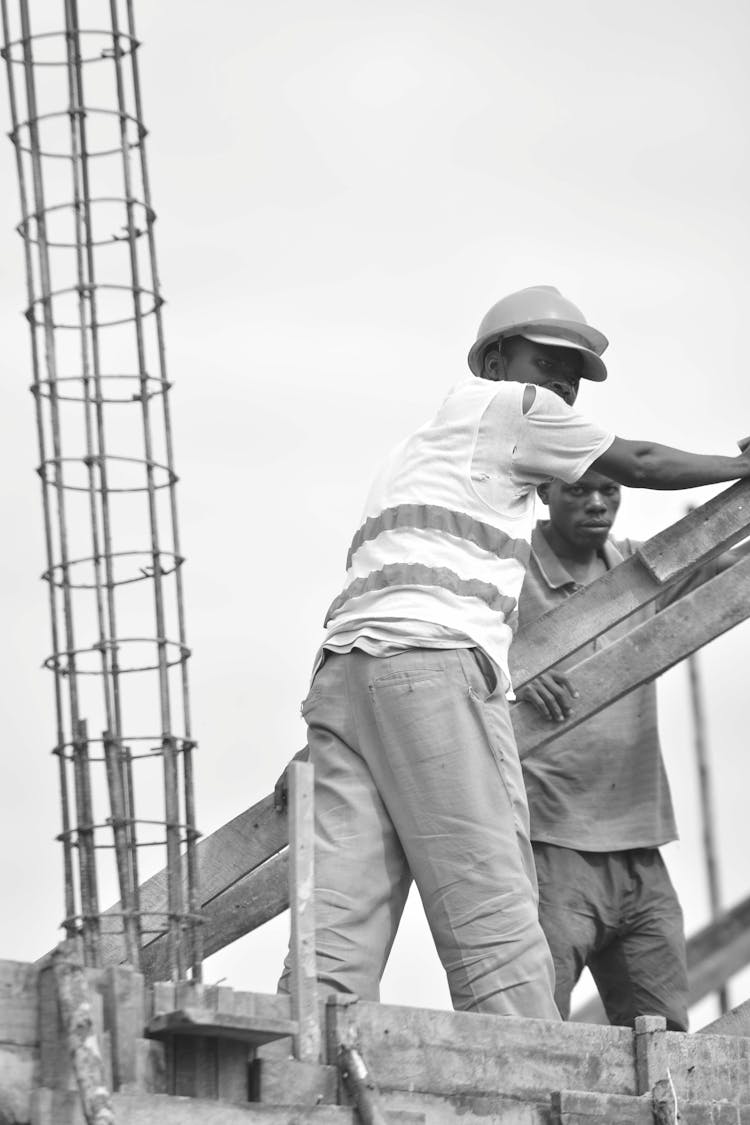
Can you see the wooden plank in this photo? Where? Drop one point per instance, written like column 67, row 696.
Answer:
column 124, row 1017
column 303, row 979
column 575, row 1107
column 18, row 1004
column 55, row 1068
column 162, row 997
column 228, row 856
column 709, row 1067
column 223, row 858
column 644, row 653
column 699, row 536
column 19, row 1072
column 199, row 1111
column 736, row 1022
column 650, row 1052
column 260, row 895
column 719, row 950
column 206, row 1067
column 459, row 1109
column 54, row 1108
column 608, row 674
column 581, row 1108
column 76, row 1003
column 151, row 1068
column 456, row 1053
column 233, row 1062
column 289, row 1082
column 220, row 1025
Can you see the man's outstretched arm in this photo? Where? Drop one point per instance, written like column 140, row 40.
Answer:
column 645, row 464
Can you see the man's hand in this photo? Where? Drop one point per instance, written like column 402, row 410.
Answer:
column 551, row 695
column 281, row 788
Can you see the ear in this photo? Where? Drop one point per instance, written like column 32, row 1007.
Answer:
column 542, row 491
column 492, row 367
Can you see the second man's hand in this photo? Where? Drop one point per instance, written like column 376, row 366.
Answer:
column 551, row 694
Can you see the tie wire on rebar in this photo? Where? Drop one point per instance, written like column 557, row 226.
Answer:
column 105, row 567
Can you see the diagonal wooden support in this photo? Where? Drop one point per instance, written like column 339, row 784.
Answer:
column 736, row 1022
column 243, row 865
column 260, row 892
column 250, row 842
column 698, row 537
column 644, row 653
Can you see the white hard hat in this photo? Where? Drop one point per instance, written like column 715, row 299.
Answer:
column 541, row 314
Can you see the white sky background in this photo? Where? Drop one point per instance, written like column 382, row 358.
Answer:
column 342, row 190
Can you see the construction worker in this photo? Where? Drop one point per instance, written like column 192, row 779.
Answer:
column 598, row 794
column 416, row 768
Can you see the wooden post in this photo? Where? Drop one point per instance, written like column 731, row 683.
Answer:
column 76, row 1016
column 652, row 1070
column 125, row 1018
column 303, row 981
column 705, row 796
column 650, row 1052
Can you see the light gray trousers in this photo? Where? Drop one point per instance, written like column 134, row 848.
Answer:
column 417, row 776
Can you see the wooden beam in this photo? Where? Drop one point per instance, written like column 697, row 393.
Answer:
column 607, row 675
column 719, row 950
column 578, row 1107
column 736, row 1022
column 224, row 858
column 644, row 653
column 455, row 1054
column 240, row 864
column 698, row 537
column 259, row 896
column 207, row 1023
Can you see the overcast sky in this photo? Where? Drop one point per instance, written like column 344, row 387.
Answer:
column 343, row 189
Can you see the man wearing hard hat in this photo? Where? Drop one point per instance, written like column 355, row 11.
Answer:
column 416, row 768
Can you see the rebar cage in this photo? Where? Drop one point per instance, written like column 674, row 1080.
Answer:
column 114, row 566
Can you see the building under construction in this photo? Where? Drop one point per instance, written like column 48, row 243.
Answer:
column 116, row 1024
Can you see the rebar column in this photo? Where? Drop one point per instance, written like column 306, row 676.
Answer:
column 114, row 567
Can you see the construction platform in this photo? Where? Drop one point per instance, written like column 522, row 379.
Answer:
column 183, row 1054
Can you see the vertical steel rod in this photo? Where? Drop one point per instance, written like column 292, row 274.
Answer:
column 94, row 309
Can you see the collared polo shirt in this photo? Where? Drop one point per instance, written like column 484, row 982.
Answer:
column 601, row 786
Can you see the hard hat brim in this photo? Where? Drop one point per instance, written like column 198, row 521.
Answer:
column 593, row 367
column 557, row 333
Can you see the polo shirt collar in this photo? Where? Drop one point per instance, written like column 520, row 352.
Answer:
column 552, row 570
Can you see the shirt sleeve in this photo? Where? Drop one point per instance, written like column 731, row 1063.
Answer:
column 556, row 442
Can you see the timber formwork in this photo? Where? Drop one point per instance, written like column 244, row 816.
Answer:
column 244, row 865
column 185, row 1052
column 194, row 1054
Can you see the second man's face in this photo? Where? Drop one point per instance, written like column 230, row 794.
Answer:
column 583, row 513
